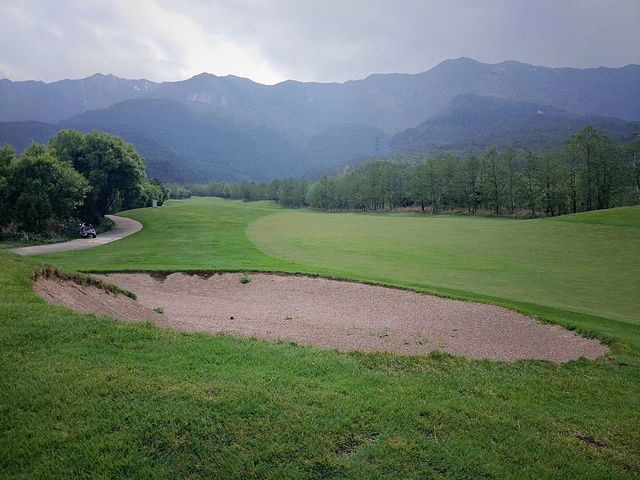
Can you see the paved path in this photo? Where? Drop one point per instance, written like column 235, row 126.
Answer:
column 123, row 227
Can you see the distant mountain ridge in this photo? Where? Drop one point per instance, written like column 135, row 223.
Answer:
column 230, row 128
column 612, row 92
column 474, row 121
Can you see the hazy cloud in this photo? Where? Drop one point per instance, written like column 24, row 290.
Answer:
column 329, row 40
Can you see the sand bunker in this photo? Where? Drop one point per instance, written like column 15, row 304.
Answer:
column 327, row 313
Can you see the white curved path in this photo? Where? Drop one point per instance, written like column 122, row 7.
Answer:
column 123, row 227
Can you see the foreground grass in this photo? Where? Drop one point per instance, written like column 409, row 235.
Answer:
column 82, row 396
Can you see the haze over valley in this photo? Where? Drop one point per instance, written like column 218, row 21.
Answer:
column 212, row 128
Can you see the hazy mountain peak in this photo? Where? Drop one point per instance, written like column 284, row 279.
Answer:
column 232, row 128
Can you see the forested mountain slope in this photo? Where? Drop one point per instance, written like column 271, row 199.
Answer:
column 482, row 121
column 230, row 128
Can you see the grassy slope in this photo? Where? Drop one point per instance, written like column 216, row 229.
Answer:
column 81, row 395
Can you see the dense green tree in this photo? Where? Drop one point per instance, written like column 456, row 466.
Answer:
column 551, row 183
column 510, row 163
column 178, row 191
column 113, row 168
column 472, row 168
column 164, row 191
column 272, row 190
column 495, row 179
column 633, row 151
column 582, row 151
column 7, row 156
column 552, row 176
column 40, row 190
column 530, row 187
column 418, row 188
column 453, row 181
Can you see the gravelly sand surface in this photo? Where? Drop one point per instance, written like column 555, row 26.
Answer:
column 328, row 313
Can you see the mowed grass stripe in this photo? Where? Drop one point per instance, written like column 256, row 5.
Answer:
column 583, row 264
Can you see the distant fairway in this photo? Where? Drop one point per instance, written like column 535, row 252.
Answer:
column 586, row 263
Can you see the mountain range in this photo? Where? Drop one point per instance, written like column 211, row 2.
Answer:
column 230, row 128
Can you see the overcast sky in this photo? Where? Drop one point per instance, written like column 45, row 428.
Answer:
column 270, row 41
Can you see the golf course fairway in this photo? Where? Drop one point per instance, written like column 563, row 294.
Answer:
column 84, row 396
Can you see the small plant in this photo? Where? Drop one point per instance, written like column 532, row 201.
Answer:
column 244, row 278
column 289, row 317
column 421, row 339
column 159, row 309
column 384, row 333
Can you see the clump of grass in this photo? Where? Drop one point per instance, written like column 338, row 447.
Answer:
column 81, row 279
column 421, row 338
column 244, row 278
column 383, row 334
column 159, row 309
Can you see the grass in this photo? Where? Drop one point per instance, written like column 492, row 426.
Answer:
column 82, row 396
column 580, row 263
column 199, row 234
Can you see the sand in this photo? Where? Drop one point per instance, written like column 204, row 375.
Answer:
column 327, row 313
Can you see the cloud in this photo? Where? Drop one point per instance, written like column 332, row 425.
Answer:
column 315, row 40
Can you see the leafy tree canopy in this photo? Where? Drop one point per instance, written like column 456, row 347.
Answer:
column 113, row 168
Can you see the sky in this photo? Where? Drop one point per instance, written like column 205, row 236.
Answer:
column 270, row 41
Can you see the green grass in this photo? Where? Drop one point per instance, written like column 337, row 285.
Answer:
column 621, row 217
column 82, row 396
column 584, row 266
column 199, row 234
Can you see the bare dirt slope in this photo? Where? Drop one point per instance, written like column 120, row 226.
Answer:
column 328, row 313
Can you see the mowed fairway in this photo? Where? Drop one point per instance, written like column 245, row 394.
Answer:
column 587, row 263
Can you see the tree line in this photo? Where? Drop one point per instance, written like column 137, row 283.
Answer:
column 590, row 172
column 75, row 177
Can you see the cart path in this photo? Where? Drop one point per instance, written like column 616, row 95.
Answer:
column 123, row 227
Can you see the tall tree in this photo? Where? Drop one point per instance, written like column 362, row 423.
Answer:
column 474, row 187
column 510, row 162
column 634, row 153
column 582, row 150
column 113, row 167
column 531, row 188
column 495, row 178
column 40, row 189
column 551, row 179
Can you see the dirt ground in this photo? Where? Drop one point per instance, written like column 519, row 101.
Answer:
column 327, row 313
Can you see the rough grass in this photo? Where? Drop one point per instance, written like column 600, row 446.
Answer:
column 53, row 273
column 82, row 396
